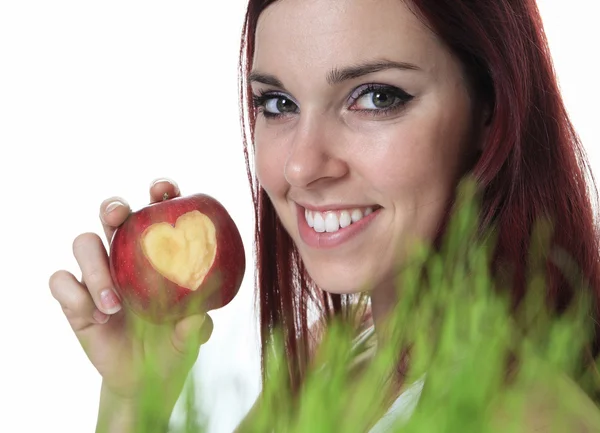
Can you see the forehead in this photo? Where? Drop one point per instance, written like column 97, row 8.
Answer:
column 325, row 33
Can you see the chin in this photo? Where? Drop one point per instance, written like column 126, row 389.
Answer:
column 348, row 285
column 348, row 280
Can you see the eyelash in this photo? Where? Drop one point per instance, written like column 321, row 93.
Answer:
column 260, row 100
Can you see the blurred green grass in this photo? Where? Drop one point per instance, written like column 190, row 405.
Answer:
column 480, row 364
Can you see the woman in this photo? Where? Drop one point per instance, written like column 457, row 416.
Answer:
column 363, row 118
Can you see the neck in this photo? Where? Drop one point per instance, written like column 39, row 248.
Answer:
column 383, row 300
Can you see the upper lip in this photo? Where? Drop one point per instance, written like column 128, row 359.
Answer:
column 335, row 207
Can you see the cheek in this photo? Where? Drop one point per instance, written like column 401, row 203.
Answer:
column 423, row 156
column 269, row 164
column 440, row 141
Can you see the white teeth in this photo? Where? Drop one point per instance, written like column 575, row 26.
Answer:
column 356, row 215
column 319, row 222
column 345, row 220
column 332, row 224
column 309, row 218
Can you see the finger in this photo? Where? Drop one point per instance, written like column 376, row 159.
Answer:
column 191, row 332
column 113, row 212
column 163, row 189
column 75, row 300
column 93, row 261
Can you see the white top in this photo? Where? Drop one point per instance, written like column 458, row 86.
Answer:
column 403, row 407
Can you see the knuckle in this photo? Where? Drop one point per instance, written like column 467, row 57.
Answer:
column 56, row 281
column 97, row 277
column 56, row 277
column 85, row 240
column 63, row 288
column 77, row 305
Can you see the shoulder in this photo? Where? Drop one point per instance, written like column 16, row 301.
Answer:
column 558, row 407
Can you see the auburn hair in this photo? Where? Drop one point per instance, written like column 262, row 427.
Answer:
column 531, row 166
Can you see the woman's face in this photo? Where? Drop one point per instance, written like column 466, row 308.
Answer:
column 363, row 127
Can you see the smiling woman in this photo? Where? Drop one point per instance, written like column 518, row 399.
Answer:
column 381, row 127
column 361, row 119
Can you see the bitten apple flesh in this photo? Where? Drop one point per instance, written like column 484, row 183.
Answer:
column 177, row 257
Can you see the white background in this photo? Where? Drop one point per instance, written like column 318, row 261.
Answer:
column 100, row 98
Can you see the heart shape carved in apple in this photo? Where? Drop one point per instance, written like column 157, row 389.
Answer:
column 183, row 253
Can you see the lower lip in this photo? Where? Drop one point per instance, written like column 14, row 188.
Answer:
column 331, row 240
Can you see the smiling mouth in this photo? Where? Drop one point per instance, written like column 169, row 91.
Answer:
column 333, row 221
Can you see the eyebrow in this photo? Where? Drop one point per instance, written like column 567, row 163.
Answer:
column 337, row 76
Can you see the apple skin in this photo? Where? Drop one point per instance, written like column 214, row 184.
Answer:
column 152, row 296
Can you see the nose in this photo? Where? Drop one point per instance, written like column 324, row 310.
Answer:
column 315, row 155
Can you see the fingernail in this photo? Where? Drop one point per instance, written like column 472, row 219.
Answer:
column 165, row 179
column 110, row 301
column 100, row 317
column 112, row 206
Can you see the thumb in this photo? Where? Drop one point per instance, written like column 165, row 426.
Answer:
column 190, row 333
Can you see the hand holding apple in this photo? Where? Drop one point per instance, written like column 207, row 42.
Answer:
column 177, row 257
column 106, row 333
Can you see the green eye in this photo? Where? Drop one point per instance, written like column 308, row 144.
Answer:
column 382, row 99
column 275, row 105
column 379, row 99
column 282, row 105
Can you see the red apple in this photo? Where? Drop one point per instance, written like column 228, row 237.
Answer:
column 177, row 257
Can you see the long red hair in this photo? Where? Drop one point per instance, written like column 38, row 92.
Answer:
column 531, row 166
